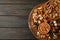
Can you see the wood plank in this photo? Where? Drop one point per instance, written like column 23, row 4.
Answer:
column 18, row 39
column 16, row 12
column 15, row 9
column 21, row 1
column 17, row 1
column 15, row 33
column 11, row 7
column 13, row 21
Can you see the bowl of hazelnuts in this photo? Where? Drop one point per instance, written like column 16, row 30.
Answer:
column 44, row 20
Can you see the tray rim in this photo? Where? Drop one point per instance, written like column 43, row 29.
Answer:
column 30, row 17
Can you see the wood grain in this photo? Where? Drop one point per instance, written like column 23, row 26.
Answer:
column 32, row 2
column 15, row 9
column 13, row 21
column 14, row 12
column 15, row 33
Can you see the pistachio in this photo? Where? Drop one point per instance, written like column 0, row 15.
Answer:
column 36, row 23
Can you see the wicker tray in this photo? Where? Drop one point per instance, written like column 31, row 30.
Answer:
column 34, row 30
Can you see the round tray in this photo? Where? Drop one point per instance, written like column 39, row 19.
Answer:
column 34, row 29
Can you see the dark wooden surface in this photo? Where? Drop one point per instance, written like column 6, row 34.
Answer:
column 14, row 18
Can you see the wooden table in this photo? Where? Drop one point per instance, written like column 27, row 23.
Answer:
column 14, row 18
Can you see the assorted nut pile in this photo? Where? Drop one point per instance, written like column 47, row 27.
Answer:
column 46, row 19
